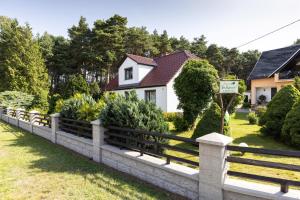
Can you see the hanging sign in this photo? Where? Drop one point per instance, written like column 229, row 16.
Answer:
column 229, row 86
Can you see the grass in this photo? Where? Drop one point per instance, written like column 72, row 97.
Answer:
column 33, row 168
column 242, row 131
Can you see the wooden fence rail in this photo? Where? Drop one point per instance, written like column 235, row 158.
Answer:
column 152, row 143
column 284, row 183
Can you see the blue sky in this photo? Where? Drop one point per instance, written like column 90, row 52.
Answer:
column 225, row 22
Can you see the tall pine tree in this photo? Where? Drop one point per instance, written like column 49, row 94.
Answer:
column 22, row 66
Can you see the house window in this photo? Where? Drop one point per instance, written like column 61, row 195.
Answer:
column 128, row 73
column 150, row 96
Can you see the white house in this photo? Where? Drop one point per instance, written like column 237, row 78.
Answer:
column 152, row 79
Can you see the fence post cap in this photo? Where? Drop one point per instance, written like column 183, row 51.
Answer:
column 215, row 139
column 33, row 112
column 55, row 115
column 96, row 122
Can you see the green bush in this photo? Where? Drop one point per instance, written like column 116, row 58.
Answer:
column 16, row 99
column 297, row 82
column 195, row 86
column 277, row 110
column 52, row 102
column 73, row 85
column 95, row 90
column 180, row 123
column 170, row 116
column 210, row 122
column 260, row 111
column 291, row 128
column 80, row 107
column 246, row 105
column 133, row 113
column 252, row 117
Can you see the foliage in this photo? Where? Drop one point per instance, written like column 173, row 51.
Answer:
column 138, row 42
column 246, row 105
column 297, row 82
column 260, row 112
column 210, row 122
column 16, row 99
column 52, row 102
column 203, row 77
column 80, row 107
column 198, row 46
column 252, row 118
column 170, row 116
column 291, row 128
column 22, row 66
column 95, row 90
column 180, row 123
column 277, row 110
column 133, row 113
column 75, row 84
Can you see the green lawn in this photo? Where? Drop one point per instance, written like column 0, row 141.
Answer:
column 33, row 168
column 242, row 131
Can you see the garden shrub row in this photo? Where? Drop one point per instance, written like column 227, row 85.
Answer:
column 114, row 110
column 280, row 118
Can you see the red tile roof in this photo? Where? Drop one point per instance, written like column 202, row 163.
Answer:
column 165, row 69
column 142, row 60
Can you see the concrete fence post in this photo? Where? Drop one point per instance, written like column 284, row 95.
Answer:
column 213, row 167
column 1, row 112
column 98, row 139
column 8, row 113
column 18, row 114
column 32, row 115
column 54, row 126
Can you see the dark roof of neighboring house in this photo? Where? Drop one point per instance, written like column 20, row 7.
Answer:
column 166, row 67
column 272, row 61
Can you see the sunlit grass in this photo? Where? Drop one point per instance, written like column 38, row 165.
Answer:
column 33, row 168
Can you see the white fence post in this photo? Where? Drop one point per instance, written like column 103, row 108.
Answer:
column 98, row 139
column 32, row 118
column 54, row 126
column 212, row 165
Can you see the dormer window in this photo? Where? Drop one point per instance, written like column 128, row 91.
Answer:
column 128, row 73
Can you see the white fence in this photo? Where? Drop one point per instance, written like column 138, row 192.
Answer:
column 209, row 182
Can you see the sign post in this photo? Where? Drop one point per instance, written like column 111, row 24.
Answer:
column 227, row 87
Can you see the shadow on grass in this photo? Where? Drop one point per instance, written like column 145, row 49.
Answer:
column 58, row 159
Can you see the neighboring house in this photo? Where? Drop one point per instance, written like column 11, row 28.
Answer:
column 274, row 69
column 152, row 79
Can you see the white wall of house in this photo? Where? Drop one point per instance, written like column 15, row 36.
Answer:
column 161, row 95
column 172, row 99
column 138, row 73
column 263, row 91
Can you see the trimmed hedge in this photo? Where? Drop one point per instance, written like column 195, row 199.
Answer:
column 210, row 122
column 133, row 113
column 80, row 107
column 252, row 118
column 291, row 128
column 277, row 110
column 16, row 99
